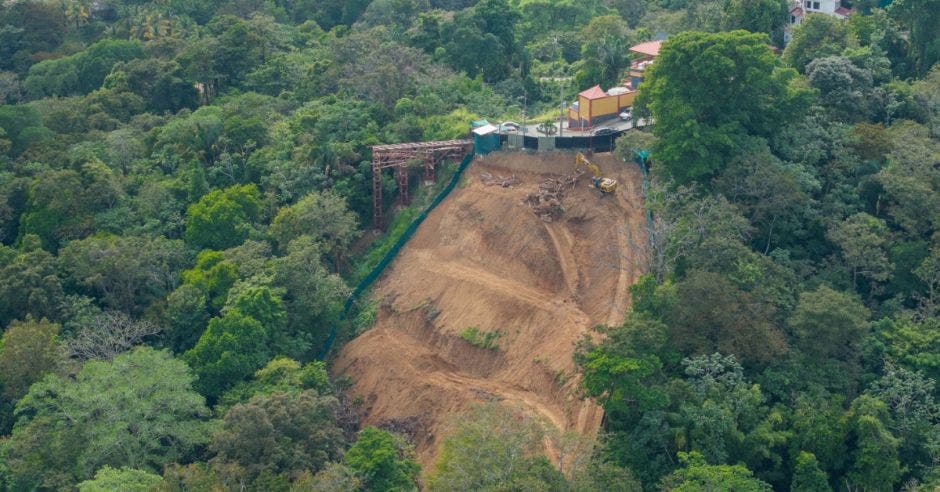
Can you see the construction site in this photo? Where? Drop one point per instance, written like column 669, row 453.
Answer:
column 488, row 298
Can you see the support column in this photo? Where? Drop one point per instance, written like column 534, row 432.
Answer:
column 429, row 161
column 401, row 174
column 376, row 193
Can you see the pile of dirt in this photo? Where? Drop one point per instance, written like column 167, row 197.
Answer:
column 487, row 300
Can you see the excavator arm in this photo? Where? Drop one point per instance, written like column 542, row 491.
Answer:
column 607, row 185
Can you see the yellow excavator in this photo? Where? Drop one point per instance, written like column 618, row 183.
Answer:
column 606, row 185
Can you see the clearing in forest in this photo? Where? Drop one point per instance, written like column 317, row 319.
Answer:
column 488, row 299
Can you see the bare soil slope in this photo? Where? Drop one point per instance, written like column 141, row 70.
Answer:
column 484, row 259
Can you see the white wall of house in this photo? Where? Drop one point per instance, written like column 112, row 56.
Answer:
column 822, row 6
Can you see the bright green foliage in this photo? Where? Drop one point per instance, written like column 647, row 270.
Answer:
column 232, row 348
column 213, row 275
column 874, row 457
column 807, row 477
column 281, row 434
column 622, row 372
column 819, row 429
column 138, row 410
column 708, row 93
column 281, row 375
column 697, row 475
column 125, row 479
column 916, row 344
column 239, row 342
column 260, row 303
column 222, row 218
column 478, row 338
column 384, row 461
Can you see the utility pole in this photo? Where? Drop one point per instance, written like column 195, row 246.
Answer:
column 561, row 98
column 561, row 93
column 525, row 111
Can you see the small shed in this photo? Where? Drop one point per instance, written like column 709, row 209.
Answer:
column 485, row 137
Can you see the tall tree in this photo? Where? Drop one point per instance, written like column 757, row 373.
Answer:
column 818, row 36
column 223, row 218
column 807, row 477
column 709, row 93
column 922, row 20
column 697, row 474
column 138, row 410
column 384, row 461
column 277, row 434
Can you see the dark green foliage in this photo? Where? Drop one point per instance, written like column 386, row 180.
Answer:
column 29, row 282
column 82, row 72
column 709, row 93
column 19, row 124
column 277, row 435
column 196, row 176
column 232, row 348
column 817, row 37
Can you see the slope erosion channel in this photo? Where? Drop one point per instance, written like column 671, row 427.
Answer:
column 484, row 262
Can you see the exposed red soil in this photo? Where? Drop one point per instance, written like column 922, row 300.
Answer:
column 484, row 259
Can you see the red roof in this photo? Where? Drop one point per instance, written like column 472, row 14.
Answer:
column 796, row 11
column 650, row 48
column 593, row 93
column 844, row 11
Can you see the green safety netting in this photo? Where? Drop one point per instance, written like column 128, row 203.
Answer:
column 393, row 252
column 641, row 158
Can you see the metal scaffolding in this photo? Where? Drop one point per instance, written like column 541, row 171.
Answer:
column 398, row 156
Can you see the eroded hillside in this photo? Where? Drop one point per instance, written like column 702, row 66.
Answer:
column 484, row 260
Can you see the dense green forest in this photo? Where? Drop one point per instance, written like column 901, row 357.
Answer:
column 185, row 203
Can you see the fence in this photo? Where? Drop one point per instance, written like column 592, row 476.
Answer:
column 603, row 143
column 393, row 252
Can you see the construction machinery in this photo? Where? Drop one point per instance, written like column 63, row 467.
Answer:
column 606, row 185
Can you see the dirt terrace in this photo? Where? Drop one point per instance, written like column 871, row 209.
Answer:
column 484, row 259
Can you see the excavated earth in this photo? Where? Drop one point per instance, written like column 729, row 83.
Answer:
column 484, row 259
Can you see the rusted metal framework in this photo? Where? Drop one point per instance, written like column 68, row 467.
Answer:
column 398, row 156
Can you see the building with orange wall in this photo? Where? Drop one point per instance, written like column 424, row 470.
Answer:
column 594, row 105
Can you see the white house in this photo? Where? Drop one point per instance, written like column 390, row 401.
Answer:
column 803, row 7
